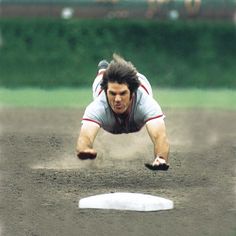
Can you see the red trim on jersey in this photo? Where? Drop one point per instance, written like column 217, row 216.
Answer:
column 100, row 91
column 141, row 85
column 152, row 118
column 86, row 119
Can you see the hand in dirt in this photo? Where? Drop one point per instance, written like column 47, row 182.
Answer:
column 87, row 154
column 158, row 164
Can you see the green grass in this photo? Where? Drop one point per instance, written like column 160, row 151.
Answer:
column 197, row 98
column 79, row 98
column 45, row 98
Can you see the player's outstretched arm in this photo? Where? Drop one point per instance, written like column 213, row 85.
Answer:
column 157, row 132
column 86, row 139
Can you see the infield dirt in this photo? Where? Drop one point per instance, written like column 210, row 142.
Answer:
column 41, row 180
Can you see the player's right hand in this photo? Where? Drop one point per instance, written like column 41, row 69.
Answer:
column 87, row 154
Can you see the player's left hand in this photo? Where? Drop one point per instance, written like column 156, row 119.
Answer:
column 158, row 164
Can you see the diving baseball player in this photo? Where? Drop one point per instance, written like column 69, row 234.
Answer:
column 123, row 103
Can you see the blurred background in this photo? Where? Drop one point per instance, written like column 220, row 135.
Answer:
column 175, row 43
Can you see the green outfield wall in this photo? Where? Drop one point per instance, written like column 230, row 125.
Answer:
column 56, row 53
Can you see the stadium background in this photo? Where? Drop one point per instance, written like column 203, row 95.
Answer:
column 188, row 43
column 189, row 56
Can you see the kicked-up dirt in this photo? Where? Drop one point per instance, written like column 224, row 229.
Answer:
column 41, row 180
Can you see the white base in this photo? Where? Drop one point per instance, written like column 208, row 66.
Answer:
column 126, row 201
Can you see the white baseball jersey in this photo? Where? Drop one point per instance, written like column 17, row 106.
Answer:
column 144, row 108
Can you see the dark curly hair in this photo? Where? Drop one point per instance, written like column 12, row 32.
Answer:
column 122, row 72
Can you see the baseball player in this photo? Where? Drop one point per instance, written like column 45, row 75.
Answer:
column 123, row 103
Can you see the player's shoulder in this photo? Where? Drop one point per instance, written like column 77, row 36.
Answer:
column 99, row 104
column 144, row 100
column 142, row 97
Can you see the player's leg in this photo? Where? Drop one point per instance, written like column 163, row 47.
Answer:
column 102, row 65
column 145, row 84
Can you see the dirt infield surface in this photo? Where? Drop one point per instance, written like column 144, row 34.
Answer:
column 41, row 180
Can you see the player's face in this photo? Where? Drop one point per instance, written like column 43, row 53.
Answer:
column 119, row 97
